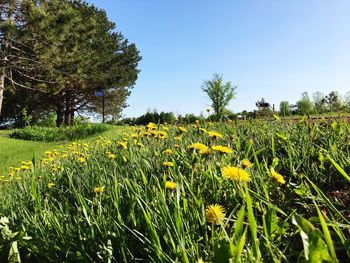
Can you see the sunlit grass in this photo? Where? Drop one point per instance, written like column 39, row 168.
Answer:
column 13, row 151
column 277, row 193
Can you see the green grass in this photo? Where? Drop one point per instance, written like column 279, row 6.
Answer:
column 108, row 201
column 14, row 151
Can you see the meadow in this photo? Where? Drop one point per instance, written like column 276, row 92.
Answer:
column 209, row 192
column 32, row 142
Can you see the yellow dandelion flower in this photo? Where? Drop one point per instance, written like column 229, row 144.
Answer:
column 170, row 185
column 169, row 164
column 146, row 134
column 99, row 189
column 167, row 151
column 278, row 177
column 151, row 126
column 134, row 135
column 51, row 185
column 17, row 169
column 178, row 138
column 162, row 135
column 82, row 160
column 235, row 173
column 25, row 167
column 182, row 129
column 111, row 156
column 221, row 149
column 215, row 135
column 203, row 130
column 153, row 133
column 204, row 151
column 198, row 146
column 124, row 145
column 140, row 145
column 27, row 163
column 215, row 214
column 246, row 163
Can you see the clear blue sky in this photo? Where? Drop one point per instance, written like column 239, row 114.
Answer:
column 271, row 49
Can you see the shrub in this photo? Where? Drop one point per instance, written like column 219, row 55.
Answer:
column 49, row 134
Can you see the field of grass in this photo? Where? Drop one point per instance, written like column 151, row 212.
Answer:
column 251, row 192
column 13, row 151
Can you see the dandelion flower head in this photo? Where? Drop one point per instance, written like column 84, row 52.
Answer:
column 169, row 164
column 278, row 177
column 215, row 135
column 235, row 173
column 170, row 185
column 215, row 214
column 221, row 149
column 246, row 163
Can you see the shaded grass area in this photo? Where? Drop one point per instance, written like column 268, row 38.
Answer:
column 13, row 151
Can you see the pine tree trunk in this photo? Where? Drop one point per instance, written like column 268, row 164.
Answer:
column 68, row 109
column 72, row 117
column 60, row 109
column 2, row 87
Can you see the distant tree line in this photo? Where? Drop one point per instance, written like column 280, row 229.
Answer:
column 54, row 56
column 161, row 118
column 319, row 104
column 170, row 118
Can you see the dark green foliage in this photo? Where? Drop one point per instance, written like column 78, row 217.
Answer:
column 65, row 50
column 37, row 133
column 155, row 117
column 334, row 101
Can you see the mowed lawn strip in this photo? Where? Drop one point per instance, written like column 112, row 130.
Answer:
column 13, row 151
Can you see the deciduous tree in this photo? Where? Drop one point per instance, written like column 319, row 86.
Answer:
column 285, row 108
column 220, row 93
column 304, row 105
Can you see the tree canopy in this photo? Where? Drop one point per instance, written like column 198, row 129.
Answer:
column 67, row 49
column 220, row 93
